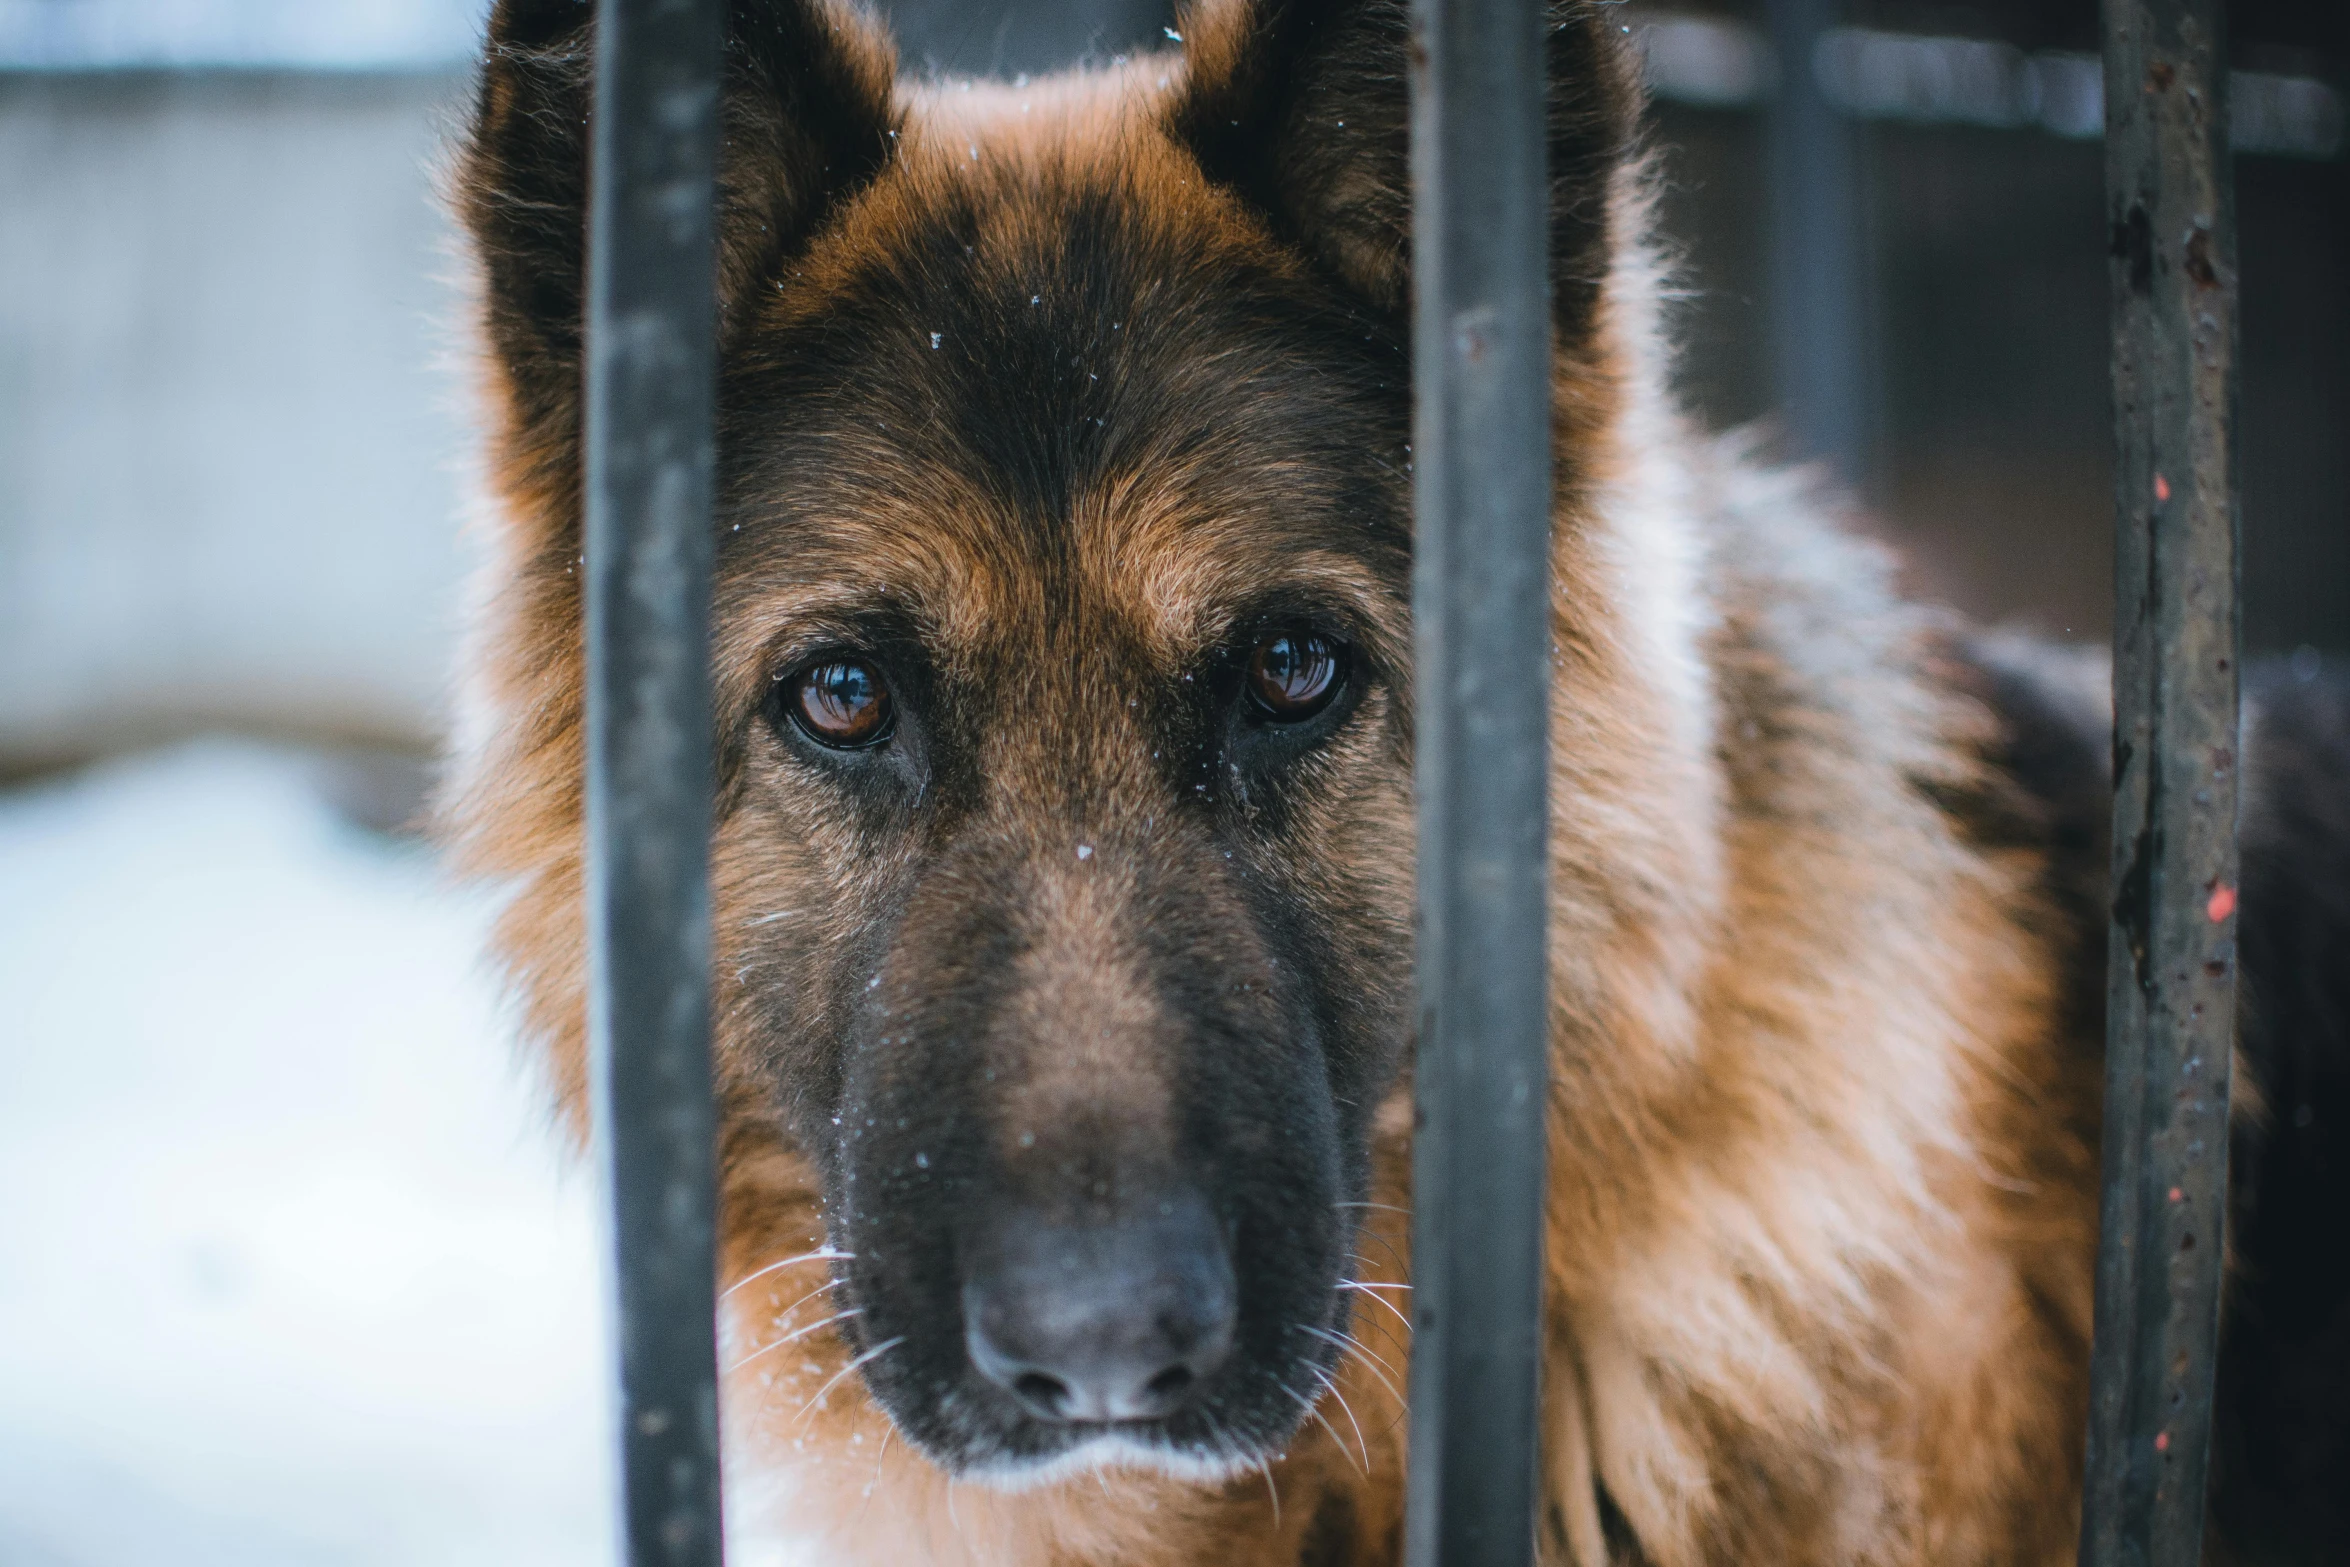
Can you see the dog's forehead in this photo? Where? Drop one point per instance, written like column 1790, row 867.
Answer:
column 1073, row 388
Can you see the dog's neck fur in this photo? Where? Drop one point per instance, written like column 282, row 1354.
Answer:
column 1802, row 970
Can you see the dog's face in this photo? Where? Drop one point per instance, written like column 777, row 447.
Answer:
column 1061, row 654
column 1062, row 635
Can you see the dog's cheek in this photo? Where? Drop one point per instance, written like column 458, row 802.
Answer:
column 803, row 903
column 1345, row 888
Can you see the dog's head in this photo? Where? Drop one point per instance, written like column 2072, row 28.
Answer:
column 1062, row 668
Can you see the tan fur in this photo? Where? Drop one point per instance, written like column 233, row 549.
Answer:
column 1820, row 1218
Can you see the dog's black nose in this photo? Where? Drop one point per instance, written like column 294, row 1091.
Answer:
column 1122, row 1320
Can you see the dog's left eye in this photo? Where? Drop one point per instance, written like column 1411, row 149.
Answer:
column 1292, row 675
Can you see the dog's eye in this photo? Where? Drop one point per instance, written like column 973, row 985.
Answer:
column 1294, row 674
column 839, row 702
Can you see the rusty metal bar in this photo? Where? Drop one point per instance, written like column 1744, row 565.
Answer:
column 1481, row 601
column 651, row 395
column 2171, row 972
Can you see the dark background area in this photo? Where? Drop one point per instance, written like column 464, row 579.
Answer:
column 1989, row 462
column 1009, row 37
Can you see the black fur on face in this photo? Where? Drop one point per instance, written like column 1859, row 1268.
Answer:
column 1078, row 983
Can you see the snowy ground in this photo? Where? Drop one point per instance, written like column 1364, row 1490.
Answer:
column 291, row 1270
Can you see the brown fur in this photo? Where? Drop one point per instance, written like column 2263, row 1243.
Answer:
column 1824, row 1103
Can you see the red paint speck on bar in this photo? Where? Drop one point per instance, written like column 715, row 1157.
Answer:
column 2222, row 904
column 2176, row 1195
column 2161, row 488
column 2162, row 1441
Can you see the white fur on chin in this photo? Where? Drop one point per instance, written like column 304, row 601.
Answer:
column 1114, row 1450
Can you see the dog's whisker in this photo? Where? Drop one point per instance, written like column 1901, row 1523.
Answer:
column 820, row 1254
column 1323, row 1421
column 828, row 1284
column 1271, row 1489
column 1383, row 1207
column 1384, row 1381
column 794, row 1336
column 1393, row 1326
column 1369, row 1293
column 1377, row 1372
column 1376, row 1289
column 809, row 1406
column 1227, row 1446
column 769, row 919
column 889, row 1428
column 1331, row 1387
column 1390, row 1336
column 783, row 1316
column 1347, row 1341
column 1368, row 1353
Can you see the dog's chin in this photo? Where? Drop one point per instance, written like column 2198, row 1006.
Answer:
column 1135, row 1450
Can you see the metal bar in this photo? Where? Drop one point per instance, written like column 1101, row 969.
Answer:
column 1818, row 273
column 1481, row 602
column 651, row 394
column 2171, row 974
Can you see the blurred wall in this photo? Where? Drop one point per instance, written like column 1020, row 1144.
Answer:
column 228, row 448
column 233, row 429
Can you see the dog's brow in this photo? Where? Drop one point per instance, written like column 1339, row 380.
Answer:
column 1187, row 600
column 782, row 615
column 1178, row 582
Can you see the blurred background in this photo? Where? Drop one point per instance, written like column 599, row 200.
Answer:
column 291, row 1266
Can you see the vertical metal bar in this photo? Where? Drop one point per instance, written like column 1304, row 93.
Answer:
column 1481, row 600
column 651, row 391
column 2171, row 977
column 1818, row 255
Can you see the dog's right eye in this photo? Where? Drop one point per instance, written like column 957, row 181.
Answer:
column 839, row 702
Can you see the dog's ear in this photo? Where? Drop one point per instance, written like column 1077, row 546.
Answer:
column 1303, row 107
column 807, row 119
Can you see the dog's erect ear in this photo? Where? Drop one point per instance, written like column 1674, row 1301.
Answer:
column 1304, row 108
column 807, row 120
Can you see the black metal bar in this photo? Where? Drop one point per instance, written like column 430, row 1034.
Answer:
column 651, row 391
column 1481, row 601
column 1818, row 272
column 2171, row 974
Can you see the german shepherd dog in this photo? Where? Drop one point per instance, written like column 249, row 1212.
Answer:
column 1064, row 852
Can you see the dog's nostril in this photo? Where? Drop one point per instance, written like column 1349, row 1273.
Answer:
column 1045, row 1395
column 1099, row 1324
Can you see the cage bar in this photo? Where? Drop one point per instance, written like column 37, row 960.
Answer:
column 2171, row 971
column 1818, row 285
column 651, row 392
column 1481, row 604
